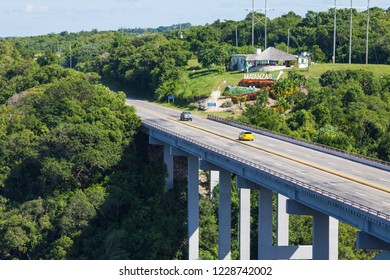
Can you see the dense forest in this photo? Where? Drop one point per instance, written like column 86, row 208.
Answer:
column 74, row 179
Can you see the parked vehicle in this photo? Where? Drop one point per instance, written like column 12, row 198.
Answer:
column 246, row 136
column 186, row 116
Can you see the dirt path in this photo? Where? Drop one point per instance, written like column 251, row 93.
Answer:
column 214, row 98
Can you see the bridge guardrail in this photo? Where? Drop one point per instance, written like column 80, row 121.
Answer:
column 381, row 164
column 283, row 177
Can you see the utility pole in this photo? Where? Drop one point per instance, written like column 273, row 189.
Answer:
column 350, row 36
column 265, row 25
column 70, row 56
column 180, row 33
column 253, row 23
column 59, row 53
column 288, row 41
column 368, row 25
column 236, row 36
column 334, row 32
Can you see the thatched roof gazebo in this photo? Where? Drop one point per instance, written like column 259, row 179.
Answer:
column 272, row 55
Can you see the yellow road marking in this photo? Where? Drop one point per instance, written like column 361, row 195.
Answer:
column 290, row 158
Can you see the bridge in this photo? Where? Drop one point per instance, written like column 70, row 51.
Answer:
column 329, row 185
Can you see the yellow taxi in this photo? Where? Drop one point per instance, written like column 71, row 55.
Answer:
column 246, row 136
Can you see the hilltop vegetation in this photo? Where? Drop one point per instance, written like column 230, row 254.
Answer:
column 74, row 179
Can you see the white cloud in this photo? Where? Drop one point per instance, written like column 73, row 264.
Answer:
column 29, row 8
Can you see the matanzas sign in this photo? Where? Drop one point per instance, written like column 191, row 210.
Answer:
column 259, row 76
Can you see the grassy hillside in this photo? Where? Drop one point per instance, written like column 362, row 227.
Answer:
column 204, row 81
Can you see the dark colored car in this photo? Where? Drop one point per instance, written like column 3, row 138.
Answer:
column 186, row 116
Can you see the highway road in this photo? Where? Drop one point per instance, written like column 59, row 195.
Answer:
column 366, row 185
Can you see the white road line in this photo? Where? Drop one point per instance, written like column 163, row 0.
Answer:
column 357, row 171
column 386, row 203
column 308, row 156
column 331, row 163
column 360, row 194
column 330, row 183
column 385, row 180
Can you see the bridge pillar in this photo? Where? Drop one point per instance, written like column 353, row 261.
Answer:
column 265, row 249
column 325, row 231
column 224, row 213
column 193, row 208
column 214, row 174
column 325, row 237
column 244, row 186
column 244, row 227
column 214, row 181
column 168, row 160
column 224, row 207
column 282, row 222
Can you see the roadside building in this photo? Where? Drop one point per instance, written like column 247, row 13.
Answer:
column 304, row 60
column 269, row 60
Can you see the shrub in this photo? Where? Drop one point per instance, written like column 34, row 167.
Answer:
column 193, row 106
column 227, row 104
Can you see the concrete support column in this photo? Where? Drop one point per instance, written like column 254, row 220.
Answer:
column 325, row 237
column 193, row 208
column 282, row 222
column 168, row 160
column 214, row 181
column 245, row 228
column 224, row 213
column 265, row 250
column 325, row 231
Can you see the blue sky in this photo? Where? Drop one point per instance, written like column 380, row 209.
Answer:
column 38, row 17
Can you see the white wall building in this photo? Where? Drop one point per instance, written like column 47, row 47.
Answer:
column 268, row 60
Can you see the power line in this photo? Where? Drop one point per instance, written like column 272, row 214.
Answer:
column 265, row 22
column 350, row 30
